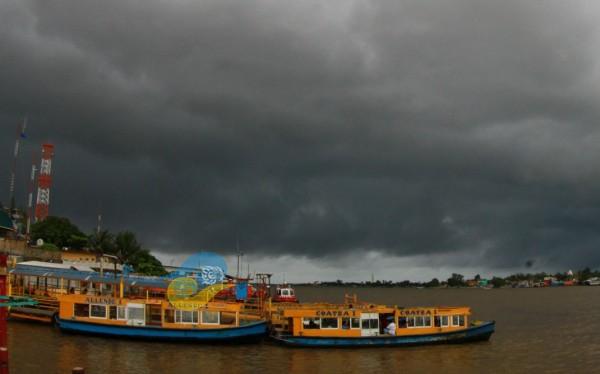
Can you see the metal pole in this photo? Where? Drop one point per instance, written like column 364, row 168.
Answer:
column 237, row 248
column 20, row 133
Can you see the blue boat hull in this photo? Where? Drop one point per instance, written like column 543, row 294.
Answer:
column 250, row 332
column 473, row 333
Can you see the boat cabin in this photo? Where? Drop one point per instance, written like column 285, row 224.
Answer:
column 158, row 312
column 328, row 320
column 285, row 294
column 79, row 292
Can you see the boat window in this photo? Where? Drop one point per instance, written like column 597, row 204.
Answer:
column 291, row 292
column 436, row 321
column 285, row 293
column 370, row 324
column 116, row 312
column 416, row 321
column 445, row 321
column 134, row 313
column 329, row 323
column 97, row 311
column 81, row 310
column 227, row 318
column 121, row 312
column 419, row 321
column 279, row 292
column 210, row 318
column 402, row 323
column 52, row 282
column 186, row 316
column 458, row 320
column 350, row 323
column 311, row 323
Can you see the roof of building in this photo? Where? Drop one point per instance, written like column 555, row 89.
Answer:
column 53, row 265
column 6, row 222
column 77, row 251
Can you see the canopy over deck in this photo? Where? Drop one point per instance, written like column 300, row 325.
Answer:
column 85, row 273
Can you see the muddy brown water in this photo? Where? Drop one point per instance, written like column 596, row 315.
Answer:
column 550, row 330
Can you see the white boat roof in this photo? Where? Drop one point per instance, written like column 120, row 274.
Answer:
column 54, row 265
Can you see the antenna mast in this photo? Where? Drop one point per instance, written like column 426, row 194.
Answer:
column 30, row 198
column 44, row 182
column 20, row 134
column 99, row 226
column 239, row 256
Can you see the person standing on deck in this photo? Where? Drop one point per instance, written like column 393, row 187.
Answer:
column 390, row 329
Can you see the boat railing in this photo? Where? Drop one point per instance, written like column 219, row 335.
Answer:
column 325, row 305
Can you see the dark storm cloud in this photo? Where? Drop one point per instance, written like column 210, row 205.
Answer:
column 462, row 127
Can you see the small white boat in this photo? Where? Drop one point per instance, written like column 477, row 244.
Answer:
column 595, row 281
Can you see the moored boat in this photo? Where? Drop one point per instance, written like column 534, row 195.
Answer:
column 285, row 294
column 370, row 325
column 157, row 319
column 594, row 281
column 154, row 308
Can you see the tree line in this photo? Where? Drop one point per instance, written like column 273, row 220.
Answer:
column 459, row 280
column 60, row 232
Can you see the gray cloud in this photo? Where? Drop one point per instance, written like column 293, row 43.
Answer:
column 311, row 129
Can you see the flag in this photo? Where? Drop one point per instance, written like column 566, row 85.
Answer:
column 241, row 290
column 22, row 134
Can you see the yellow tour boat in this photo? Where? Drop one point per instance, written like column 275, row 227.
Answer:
column 354, row 324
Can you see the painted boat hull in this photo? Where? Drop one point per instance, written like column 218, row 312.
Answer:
column 247, row 333
column 474, row 333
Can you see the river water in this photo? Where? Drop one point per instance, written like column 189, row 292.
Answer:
column 551, row 330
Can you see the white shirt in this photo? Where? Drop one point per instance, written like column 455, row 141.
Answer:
column 391, row 329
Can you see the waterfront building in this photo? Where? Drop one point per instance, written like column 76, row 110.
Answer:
column 87, row 258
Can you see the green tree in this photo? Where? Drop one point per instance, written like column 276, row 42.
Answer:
column 126, row 247
column 433, row 283
column 456, row 280
column 101, row 242
column 584, row 274
column 50, row 247
column 498, row 282
column 129, row 251
column 58, row 231
column 147, row 264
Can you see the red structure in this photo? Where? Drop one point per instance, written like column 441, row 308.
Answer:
column 44, row 182
column 3, row 315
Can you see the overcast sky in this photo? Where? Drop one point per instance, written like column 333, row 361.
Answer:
column 332, row 139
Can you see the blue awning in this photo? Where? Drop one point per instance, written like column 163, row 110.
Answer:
column 90, row 276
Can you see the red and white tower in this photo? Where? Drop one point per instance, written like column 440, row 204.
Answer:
column 44, row 182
